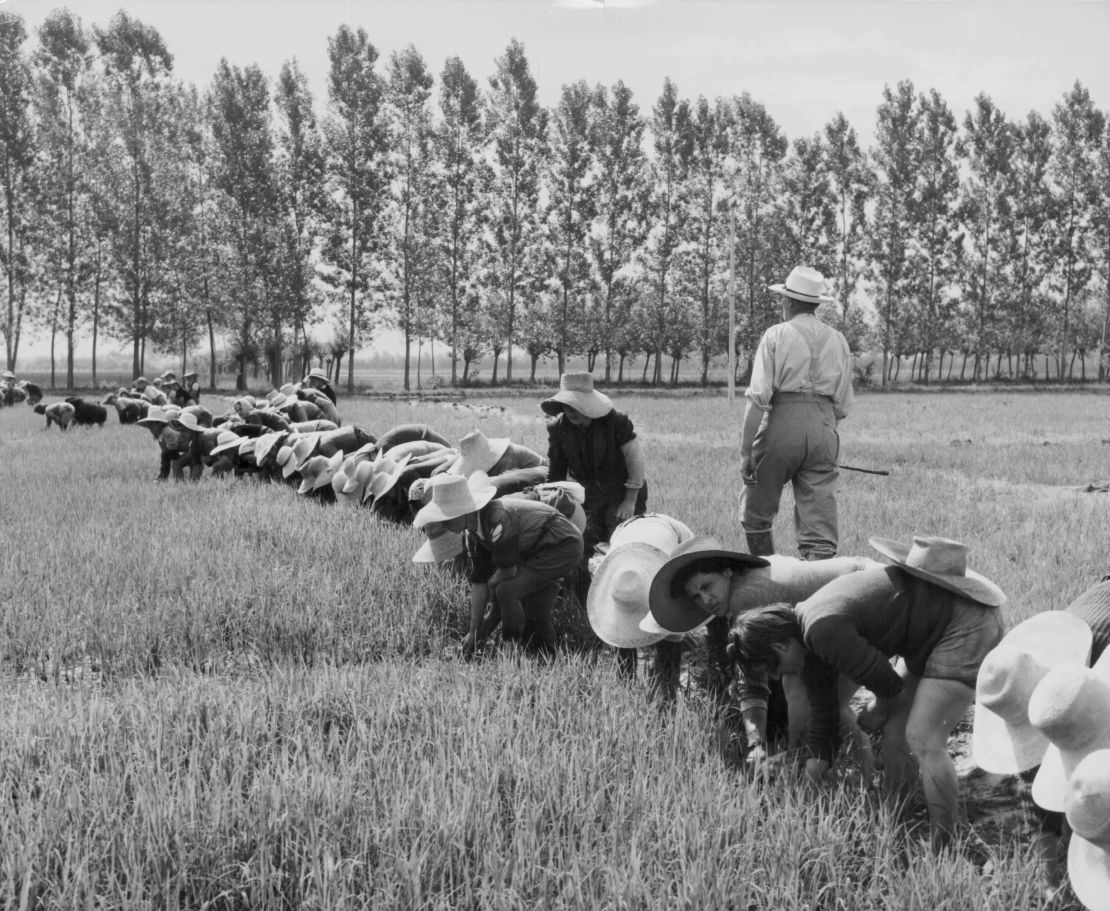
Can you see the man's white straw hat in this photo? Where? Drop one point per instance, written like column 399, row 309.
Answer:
column 1004, row 741
column 803, row 284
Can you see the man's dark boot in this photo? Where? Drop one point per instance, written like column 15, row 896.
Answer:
column 760, row 543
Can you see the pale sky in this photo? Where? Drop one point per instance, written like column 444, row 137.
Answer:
column 803, row 59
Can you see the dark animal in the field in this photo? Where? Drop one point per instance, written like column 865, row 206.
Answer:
column 87, row 413
column 32, row 390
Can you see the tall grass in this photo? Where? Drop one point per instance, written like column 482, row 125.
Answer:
column 221, row 694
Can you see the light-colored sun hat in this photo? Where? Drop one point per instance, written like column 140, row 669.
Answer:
column 246, row 446
column 140, row 381
column 439, row 545
column 618, row 596
column 189, row 373
column 387, row 472
column 155, row 415
column 1071, row 707
column 305, row 447
column 358, row 476
column 226, row 440
column 672, row 609
column 317, row 372
column 943, row 562
column 1087, row 807
column 1003, row 740
column 287, row 389
column 8, row 375
column 577, row 391
column 318, row 471
column 414, row 449
column 478, row 453
column 187, row 420
column 805, row 285
column 264, row 445
column 454, row 496
column 653, row 528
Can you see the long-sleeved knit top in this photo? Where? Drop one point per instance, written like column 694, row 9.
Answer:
column 854, row 626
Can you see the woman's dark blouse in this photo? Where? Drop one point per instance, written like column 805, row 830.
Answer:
column 592, row 454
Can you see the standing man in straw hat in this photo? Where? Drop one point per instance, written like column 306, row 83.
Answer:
column 937, row 616
column 800, row 390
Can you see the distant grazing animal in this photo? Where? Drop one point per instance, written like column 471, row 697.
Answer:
column 88, row 413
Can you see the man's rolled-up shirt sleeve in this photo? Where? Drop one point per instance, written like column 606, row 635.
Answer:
column 760, row 388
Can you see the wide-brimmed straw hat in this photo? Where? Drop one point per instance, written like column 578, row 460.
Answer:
column 155, row 415
column 662, row 531
column 189, row 373
column 805, row 285
column 318, row 471
column 618, row 596
column 439, row 546
column 305, row 448
column 188, row 420
column 1071, row 707
column 943, row 562
column 141, row 381
column 358, row 477
column 8, row 375
column 477, row 452
column 265, row 444
column 670, row 606
column 1003, row 739
column 317, row 372
column 1087, row 807
column 226, row 440
column 577, row 390
column 387, row 472
column 454, row 496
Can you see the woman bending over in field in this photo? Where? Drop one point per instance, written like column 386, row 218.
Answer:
column 702, row 582
column 938, row 617
column 519, row 549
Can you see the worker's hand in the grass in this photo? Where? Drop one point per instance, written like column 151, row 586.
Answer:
column 816, row 769
column 874, row 715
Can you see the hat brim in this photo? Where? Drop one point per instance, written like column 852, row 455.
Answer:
column 464, row 466
column 591, row 404
column 445, row 547
column 1007, row 749
column 678, row 614
column 433, row 512
column 1089, row 873
column 972, row 585
column 618, row 624
column 224, row 447
column 802, row 298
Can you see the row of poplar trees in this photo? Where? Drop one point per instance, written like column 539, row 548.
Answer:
column 140, row 207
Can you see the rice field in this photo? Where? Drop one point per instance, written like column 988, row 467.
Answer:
column 223, row 695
